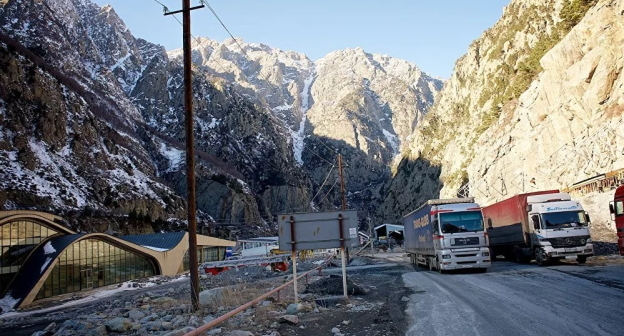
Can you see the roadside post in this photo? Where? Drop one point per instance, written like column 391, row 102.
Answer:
column 293, row 256
column 318, row 230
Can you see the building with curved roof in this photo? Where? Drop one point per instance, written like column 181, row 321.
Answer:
column 40, row 258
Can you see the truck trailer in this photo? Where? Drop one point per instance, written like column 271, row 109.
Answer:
column 543, row 226
column 447, row 234
column 617, row 211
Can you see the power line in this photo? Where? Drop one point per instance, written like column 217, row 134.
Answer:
column 321, row 187
column 166, row 10
column 328, row 192
column 265, row 77
column 319, row 156
column 331, row 149
column 223, row 24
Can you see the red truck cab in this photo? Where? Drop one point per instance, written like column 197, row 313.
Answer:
column 617, row 209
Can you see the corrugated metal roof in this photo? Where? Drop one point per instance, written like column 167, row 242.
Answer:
column 391, row 227
column 164, row 241
column 260, row 239
column 37, row 263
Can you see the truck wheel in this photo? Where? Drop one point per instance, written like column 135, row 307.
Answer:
column 517, row 253
column 581, row 259
column 440, row 270
column 540, row 258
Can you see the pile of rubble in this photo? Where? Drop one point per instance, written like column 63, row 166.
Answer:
column 332, row 285
column 164, row 315
column 604, row 248
column 312, row 263
column 238, row 275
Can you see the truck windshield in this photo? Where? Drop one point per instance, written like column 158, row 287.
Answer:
column 554, row 220
column 464, row 221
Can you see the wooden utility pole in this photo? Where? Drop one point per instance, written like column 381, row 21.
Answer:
column 370, row 236
column 344, row 200
column 190, row 150
column 342, row 187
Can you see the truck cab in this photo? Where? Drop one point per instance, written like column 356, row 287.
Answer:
column 459, row 238
column 617, row 213
column 559, row 228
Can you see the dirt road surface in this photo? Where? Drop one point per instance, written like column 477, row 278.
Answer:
column 510, row 299
column 513, row 299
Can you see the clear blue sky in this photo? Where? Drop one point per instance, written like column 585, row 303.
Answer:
column 433, row 34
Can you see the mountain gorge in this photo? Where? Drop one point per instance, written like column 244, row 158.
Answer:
column 92, row 122
column 535, row 104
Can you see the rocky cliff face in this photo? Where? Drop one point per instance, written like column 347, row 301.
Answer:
column 95, row 122
column 92, row 120
column 361, row 105
column 535, row 104
column 67, row 137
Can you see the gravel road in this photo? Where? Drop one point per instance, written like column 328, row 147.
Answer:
column 513, row 299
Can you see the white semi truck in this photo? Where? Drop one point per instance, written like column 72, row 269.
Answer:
column 544, row 226
column 447, row 234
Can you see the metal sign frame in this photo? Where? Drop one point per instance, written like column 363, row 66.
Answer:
column 318, row 230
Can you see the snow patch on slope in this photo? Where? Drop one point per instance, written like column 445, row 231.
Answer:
column 54, row 178
column 392, row 140
column 173, row 155
column 299, row 136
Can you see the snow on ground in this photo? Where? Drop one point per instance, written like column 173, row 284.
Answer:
column 8, row 301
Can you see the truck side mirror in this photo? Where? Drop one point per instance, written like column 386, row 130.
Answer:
column 611, row 207
column 588, row 219
column 535, row 220
column 490, row 223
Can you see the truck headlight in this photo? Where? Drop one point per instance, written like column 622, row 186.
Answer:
column 485, row 254
column 446, row 256
column 588, row 241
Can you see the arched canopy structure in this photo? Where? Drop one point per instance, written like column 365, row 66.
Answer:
column 41, row 258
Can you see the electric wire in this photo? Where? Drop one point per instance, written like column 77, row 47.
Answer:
column 321, row 187
column 318, row 155
column 328, row 192
column 166, row 10
column 204, row 2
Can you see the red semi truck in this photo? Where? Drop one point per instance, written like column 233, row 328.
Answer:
column 617, row 209
column 543, row 226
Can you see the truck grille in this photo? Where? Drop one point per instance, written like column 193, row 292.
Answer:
column 568, row 241
column 465, row 241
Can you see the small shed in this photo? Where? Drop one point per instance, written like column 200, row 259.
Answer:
column 389, row 230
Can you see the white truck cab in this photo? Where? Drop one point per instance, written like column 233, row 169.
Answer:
column 559, row 228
